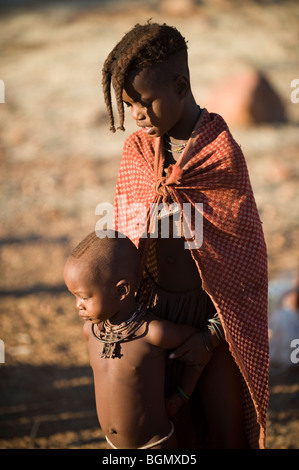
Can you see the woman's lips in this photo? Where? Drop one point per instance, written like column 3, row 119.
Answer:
column 147, row 129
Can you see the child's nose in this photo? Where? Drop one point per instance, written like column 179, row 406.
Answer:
column 79, row 303
column 137, row 112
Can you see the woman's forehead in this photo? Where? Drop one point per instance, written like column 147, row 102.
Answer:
column 145, row 81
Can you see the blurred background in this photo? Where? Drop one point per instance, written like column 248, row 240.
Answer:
column 58, row 161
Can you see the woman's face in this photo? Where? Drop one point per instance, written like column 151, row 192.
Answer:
column 156, row 104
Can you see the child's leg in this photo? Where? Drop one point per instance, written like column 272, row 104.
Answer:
column 220, row 394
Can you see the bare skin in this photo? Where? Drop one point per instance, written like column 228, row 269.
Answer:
column 160, row 109
column 177, row 269
column 129, row 389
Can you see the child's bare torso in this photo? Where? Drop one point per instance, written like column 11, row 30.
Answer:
column 129, row 390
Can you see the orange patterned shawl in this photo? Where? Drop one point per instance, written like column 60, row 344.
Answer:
column 232, row 259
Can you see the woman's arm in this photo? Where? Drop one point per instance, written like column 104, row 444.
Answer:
column 183, row 391
column 192, row 352
column 187, row 343
column 196, row 352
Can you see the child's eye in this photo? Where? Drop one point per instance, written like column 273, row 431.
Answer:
column 127, row 104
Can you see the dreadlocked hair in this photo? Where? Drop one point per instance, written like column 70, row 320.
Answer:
column 142, row 47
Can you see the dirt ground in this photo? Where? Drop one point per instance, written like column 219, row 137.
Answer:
column 58, row 162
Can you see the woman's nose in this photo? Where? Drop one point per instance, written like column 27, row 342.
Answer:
column 138, row 112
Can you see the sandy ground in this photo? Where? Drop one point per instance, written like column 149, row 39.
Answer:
column 58, row 161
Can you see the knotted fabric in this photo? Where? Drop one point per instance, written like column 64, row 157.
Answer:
column 232, row 258
column 162, row 185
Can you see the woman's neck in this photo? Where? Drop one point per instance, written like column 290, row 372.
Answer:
column 176, row 139
column 181, row 132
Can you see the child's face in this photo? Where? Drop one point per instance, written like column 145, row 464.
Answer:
column 94, row 301
column 156, row 105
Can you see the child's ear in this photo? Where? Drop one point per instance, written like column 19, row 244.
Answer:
column 123, row 289
column 182, row 85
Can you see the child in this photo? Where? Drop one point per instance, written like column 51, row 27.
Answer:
column 185, row 155
column 126, row 345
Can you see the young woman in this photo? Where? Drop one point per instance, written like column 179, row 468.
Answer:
column 211, row 271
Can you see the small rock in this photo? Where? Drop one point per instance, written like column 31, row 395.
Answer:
column 177, row 7
column 245, row 99
column 24, row 338
column 20, row 350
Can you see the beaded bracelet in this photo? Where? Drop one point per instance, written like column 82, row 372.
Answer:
column 182, row 394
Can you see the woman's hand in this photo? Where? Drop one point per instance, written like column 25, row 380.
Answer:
column 193, row 352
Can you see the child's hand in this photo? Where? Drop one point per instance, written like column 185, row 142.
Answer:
column 193, row 352
column 173, row 404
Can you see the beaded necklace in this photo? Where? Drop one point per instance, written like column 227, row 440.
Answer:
column 180, row 148
column 172, row 152
column 112, row 335
column 170, row 147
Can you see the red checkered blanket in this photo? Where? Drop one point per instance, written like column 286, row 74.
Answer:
column 212, row 176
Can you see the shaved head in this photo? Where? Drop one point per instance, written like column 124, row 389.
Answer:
column 110, row 256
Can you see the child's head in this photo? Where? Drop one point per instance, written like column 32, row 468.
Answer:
column 151, row 55
column 102, row 274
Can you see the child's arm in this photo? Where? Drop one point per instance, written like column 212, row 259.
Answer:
column 183, row 391
column 188, row 342
column 168, row 335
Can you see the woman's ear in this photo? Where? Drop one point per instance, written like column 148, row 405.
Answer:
column 182, row 85
column 123, row 289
